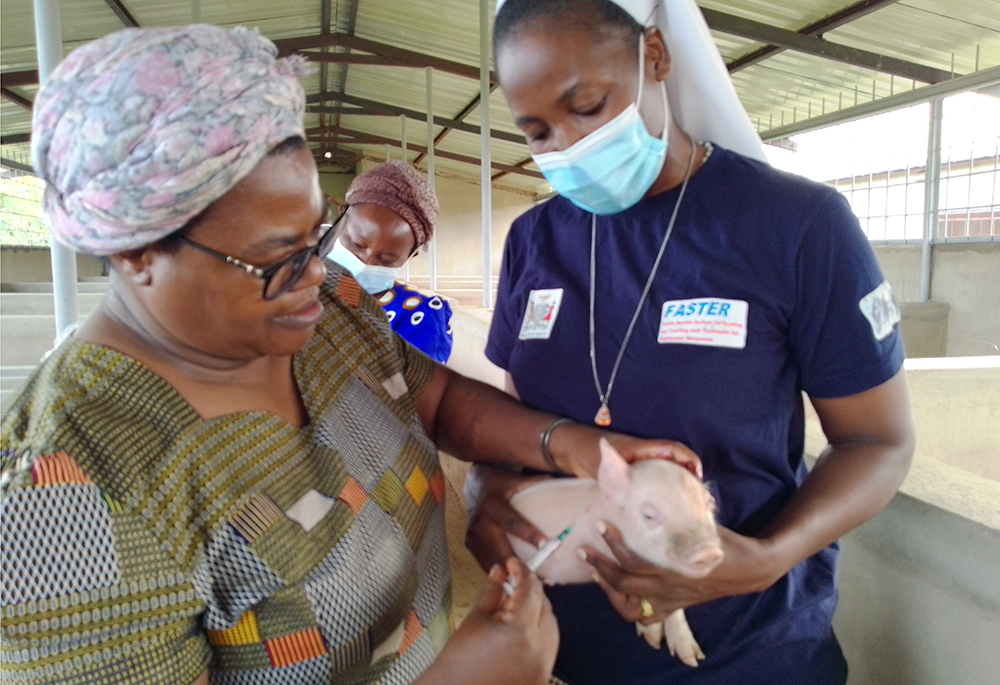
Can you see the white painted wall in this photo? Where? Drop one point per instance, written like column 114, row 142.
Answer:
column 459, row 229
column 34, row 264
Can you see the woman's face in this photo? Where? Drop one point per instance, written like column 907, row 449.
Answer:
column 564, row 82
column 207, row 306
column 377, row 236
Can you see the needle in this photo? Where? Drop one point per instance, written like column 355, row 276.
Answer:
column 539, row 557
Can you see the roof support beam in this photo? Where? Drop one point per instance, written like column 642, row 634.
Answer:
column 835, row 20
column 11, row 164
column 16, row 99
column 349, row 137
column 349, row 58
column 118, row 7
column 417, row 59
column 13, row 79
column 520, row 165
column 419, row 116
column 811, row 45
column 352, row 23
column 959, row 84
column 15, row 138
column 466, row 111
column 288, row 46
column 338, row 109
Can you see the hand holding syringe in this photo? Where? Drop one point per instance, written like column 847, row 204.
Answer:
column 539, row 558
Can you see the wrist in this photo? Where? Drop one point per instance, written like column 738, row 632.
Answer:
column 545, row 445
column 763, row 564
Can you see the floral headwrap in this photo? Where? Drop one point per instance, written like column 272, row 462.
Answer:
column 140, row 131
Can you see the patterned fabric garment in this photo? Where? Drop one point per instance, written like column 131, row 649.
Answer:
column 423, row 321
column 144, row 544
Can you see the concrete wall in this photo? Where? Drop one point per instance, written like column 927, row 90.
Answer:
column 920, row 584
column 966, row 277
column 33, row 264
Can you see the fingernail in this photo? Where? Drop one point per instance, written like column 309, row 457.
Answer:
column 580, row 553
column 602, row 528
column 542, row 542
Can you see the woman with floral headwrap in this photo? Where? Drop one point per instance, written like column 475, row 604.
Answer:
column 229, row 472
column 390, row 215
column 698, row 292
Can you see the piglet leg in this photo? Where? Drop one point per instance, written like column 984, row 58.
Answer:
column 653, row 633
column 678, row 634
column 680, row 640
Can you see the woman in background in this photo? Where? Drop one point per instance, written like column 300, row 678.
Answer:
column 390, row 214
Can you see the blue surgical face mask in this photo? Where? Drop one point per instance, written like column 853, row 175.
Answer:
column 610, row 169
column 374, row 279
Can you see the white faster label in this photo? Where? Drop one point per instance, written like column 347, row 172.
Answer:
column 704, row 321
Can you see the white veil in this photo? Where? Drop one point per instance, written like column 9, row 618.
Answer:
column 700, row 91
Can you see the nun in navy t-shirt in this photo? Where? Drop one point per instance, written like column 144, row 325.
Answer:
column 679, row 287
column 390, row 215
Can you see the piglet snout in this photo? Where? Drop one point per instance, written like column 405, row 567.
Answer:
column 704, row 558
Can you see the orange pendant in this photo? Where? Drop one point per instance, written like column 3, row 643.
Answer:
column 603, row 417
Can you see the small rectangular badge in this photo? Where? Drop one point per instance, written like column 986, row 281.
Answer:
column 704, row 321
column 540, row 314
column 879, row 307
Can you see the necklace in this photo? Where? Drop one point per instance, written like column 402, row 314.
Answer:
column 603, row 417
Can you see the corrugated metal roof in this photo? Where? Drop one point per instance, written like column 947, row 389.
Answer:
column 786, row 90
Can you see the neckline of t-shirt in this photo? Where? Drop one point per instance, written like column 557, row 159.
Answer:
column 698, row 179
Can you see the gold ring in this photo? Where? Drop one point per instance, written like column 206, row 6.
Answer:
column 647, row 607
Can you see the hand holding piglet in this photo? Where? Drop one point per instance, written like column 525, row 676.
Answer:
column 663, row 510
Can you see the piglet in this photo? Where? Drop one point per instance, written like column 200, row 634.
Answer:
column 665, row 514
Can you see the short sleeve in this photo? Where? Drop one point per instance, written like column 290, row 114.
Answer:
column 87, row 594
column 844, row 328
column 504, row 326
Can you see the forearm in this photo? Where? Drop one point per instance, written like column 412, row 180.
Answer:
column 477, row 422
column 849, row 485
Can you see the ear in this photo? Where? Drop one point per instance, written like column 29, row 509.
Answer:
column 134, row 266
column 613, row 477
column 657, row 54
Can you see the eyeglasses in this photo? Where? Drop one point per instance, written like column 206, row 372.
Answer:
column 281, row 276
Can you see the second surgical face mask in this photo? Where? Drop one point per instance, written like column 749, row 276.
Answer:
column 610, row 169
column 374, row 279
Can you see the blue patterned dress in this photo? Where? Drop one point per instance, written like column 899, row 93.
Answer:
column 425, row 322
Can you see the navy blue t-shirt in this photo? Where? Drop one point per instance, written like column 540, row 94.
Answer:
column 767, row 288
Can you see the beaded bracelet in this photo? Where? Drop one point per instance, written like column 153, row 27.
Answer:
column 543, row 441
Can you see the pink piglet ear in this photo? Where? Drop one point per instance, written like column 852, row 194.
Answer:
column 613, row 477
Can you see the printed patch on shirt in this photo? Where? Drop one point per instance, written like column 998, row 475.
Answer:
column 708, row 321
column 879, row 307
column 540, row 314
